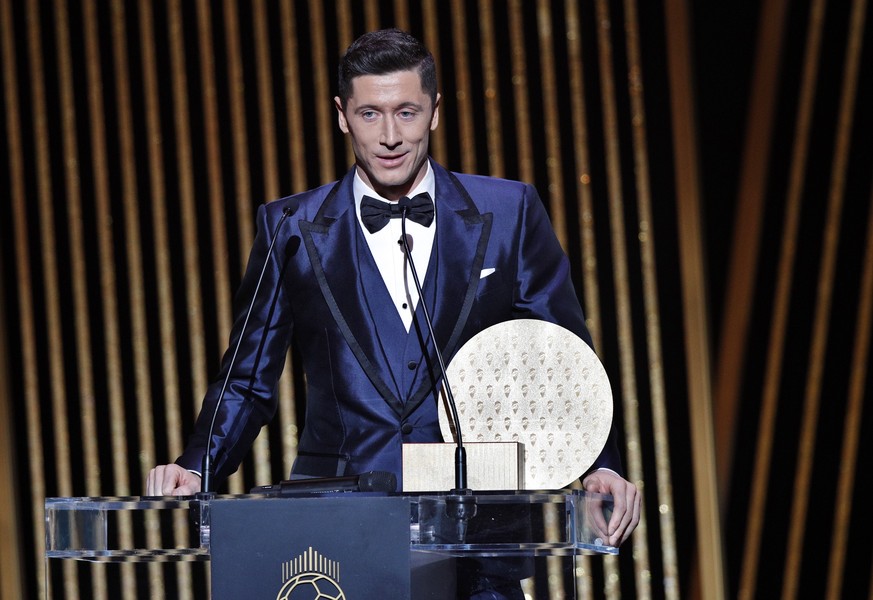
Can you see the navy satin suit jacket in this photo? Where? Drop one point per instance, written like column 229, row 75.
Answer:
column 370, row 387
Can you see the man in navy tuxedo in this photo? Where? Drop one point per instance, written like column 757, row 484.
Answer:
column 337, row 285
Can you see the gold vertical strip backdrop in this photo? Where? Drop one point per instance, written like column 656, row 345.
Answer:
column 371, row 15
column 490, row 84
column 212, row 134
column 80, row 312
column 12, row 530
column 293, row 92
column 431, row 39
column 463, row 88
column 344, row 29
column 555, row 188
column 324, row 111
column 160, row 254
column 240, row 143
column 55, row 388
column 134, row 269
column 269, row 176
column 815, row 384
column 658, row 396
column 110, row 324
column 10, row 567
column 694, row 301
column 265, row 101
column 781, row 304
column 554, row 161
column 239, row 140
column 288, row 427
column 187, row 205
column 191, row 261
column 401, row 15
column 520, row 84
column 11, row 551
column 623, row 309
column 584, row 200
column 746, row 243
column 853, row 419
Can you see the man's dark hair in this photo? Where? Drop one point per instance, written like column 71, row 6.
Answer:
column 386, row 51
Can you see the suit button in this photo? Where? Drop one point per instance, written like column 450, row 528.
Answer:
column 411, row 365
column 406, row 429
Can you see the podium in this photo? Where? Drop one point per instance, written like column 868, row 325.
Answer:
column 351, row 545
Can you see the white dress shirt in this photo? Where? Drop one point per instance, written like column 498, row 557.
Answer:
column 388, row 253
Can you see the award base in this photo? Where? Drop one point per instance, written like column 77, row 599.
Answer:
column 491, row 466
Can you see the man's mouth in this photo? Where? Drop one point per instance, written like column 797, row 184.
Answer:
column 391, row 160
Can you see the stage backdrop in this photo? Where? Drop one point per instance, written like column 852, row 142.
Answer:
column 707, row 169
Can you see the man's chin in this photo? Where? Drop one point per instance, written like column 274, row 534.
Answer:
column 393, row 187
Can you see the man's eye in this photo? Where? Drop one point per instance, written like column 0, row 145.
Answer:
column 368, row 115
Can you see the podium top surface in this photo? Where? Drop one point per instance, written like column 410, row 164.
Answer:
column 539, row 523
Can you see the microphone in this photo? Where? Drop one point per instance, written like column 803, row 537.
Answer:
column 207, row 470
column 370, row 481
column 460, row 504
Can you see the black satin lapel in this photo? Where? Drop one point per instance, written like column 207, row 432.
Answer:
column 462, row 238
column 330, row 244
column 462, row 252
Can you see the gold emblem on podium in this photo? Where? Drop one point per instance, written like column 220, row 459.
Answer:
column 310, row 576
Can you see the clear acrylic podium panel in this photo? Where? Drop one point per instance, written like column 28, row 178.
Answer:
column 548, row 523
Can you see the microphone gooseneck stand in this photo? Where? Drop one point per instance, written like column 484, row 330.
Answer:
column 460, row 503
column 207, row 473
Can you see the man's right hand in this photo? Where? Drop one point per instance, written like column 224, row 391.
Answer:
column 172, row 480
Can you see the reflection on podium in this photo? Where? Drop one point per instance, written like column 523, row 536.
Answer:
column 355, row 545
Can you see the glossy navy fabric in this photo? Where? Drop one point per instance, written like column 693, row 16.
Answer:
column 369, row 385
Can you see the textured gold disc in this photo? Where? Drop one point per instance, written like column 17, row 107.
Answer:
column 536, row 383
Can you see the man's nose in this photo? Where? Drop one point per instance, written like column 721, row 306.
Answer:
column 390, row 134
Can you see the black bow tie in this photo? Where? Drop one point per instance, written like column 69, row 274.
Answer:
column 375, row 214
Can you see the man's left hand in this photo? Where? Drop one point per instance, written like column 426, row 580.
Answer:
column 626, row 498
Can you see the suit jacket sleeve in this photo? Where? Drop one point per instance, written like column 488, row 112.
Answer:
column 545, row 291
column 250, row 400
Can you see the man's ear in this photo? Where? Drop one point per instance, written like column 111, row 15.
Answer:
column 435, row 118
column 340, row 115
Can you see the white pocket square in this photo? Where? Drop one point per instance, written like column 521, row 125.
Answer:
column 486, row 272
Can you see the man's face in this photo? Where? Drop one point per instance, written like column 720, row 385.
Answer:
column 389, row 119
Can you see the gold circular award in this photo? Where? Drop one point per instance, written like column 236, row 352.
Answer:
column 536, row 383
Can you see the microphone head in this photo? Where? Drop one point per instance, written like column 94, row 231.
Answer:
column 291, row 207
column 409, row 242
column 377, row 481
